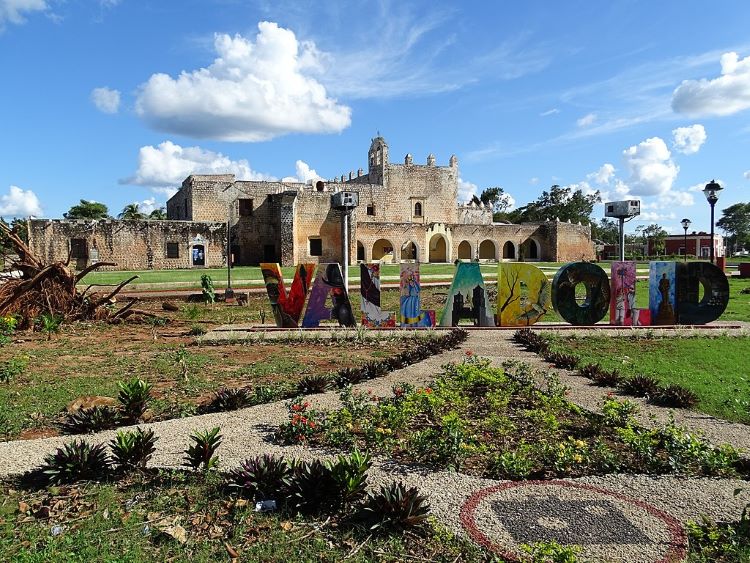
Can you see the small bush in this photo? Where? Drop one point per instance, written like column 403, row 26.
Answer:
column 207, row 287
column 674, row 396
column 639, row 385
column 619, row 413
column 395, row 508
column 562, row 360
column 590, row 371
column 76, row 461
column 230, row 399
column 10, row 369
column 350, row 474
column 8, row 325
column 134, row 397
column 49, row 324
column 313, row 384
column 91, row 420
column 192, row 312
column 607, row 378
column 201, row 454
column 133, row 449
column 303, row 423
column 261, row 478
column 512, row 465
column 196, row 330
column 312, row 488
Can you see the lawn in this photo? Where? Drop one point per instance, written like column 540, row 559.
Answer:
column 713, row 367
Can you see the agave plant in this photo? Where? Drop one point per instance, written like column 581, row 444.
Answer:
column 312, row 487
column 607, row 378
column 134, row 397
column 133, row 449
column 640, row 385
column 231, row 399
column 262, row 477
column 590, row 371
column 313, row 384
column 75, row 461
column 200, row 454
column 561, row 360
column 92, row 419
column 394, row 507
column 674, row 396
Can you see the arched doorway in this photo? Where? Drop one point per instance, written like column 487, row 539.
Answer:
column 464, row 250
column 198, row 254
column 509, row 251
column 487, row 250
column 382, row 250
column 409, row 251
column 438, row 249
column 531, row 250
column 360, row 251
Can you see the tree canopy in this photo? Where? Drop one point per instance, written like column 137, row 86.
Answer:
column 562, row 203
column 735, row 222
column 131, row 212
column 87, row 210
column 158, row 214
column 606, row 230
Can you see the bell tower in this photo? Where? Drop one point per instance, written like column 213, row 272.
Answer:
column 377, row 158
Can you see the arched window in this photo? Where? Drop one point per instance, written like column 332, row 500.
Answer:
column 320, row 186
column 417, row 209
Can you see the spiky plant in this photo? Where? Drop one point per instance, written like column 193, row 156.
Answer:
column 133, row 449
column 350, row 474
column 561, row 360
column 92, row 419
column 262, row 477
column 674, row 396
column 590, row 371
column 76, row 461
column 639, row 385
column 348, row 376
column 134, row 397
column 394, row 507
column 231, row 399
column 312, row 487
column 201, row 454
column 607, row 378
column 313, row 384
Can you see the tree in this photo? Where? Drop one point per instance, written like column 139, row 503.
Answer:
column 87, row 210
column 158, row 214
column 657, row 235
column 606, row 230
column 495, row 198
column 735, row 222
column 131, row 212
column 558, row 203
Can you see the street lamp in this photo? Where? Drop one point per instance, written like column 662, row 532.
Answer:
column 686, row 226
column 711, row 191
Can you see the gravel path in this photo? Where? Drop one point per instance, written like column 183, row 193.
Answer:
column 621, row 498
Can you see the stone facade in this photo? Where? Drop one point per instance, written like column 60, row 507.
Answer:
column 406, row 212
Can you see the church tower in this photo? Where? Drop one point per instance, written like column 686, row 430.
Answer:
column 377, row 158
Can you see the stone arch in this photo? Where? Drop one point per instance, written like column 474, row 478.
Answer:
column 464, row 250
column 382, row 250
column 417, row 209
column 360, row 251
column 487, row 250
column 509, row 251
column 531, row 250
column 409, row 251
column 438, row 248
column 320, row 186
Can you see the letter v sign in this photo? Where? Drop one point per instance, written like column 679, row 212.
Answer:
column 287, row 307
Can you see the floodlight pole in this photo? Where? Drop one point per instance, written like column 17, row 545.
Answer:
column 345, row 247
column 622, row 238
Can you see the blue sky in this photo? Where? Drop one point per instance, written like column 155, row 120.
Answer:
column 118, row 100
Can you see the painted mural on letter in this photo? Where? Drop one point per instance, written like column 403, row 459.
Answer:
column 693, row 310
column 287, row 308
column 662, row 282
column 596, row 304
column 369, row 288
column 523, row 294
column 622, row 307
column 467, row 298
column 328, row 281
column 412, row 314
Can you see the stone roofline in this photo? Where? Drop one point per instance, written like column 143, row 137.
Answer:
column 108, row 220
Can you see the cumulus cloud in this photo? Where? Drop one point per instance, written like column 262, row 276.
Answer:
column 19, row 203
column 466, row 190
column 587, row 120
column 253, row 91
column 725, row 95
column 304, row 174
column 653, row 216
column 688, row 140
column 604, row 175
column 106, row 99
column 652, row 170
column 148, row 205
column 676, row 198
column 15, row 11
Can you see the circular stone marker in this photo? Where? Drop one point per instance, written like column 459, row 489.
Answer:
column 606, row 525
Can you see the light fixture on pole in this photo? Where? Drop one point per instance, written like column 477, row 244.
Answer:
column 686, row 226
column 711, row 191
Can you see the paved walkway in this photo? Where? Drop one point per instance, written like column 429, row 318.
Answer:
column 614, row 518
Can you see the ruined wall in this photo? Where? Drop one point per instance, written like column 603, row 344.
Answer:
column 133, row 245
column 573, row 242
column 472, row 214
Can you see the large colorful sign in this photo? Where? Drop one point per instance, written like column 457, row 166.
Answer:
column 580, row 292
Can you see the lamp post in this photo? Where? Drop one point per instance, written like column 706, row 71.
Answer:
column 711, row 191
column 686, row 226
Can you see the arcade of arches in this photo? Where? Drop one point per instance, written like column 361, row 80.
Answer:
column 438, row 249
column 385, row 251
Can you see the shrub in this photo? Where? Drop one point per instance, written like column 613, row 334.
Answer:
column 261, row 478
column 264, row 394
column 639, row 385
column 200, row 455
column 607, row 378
column 192, row 312
column 8, row 325
column 394, row 508
column 91, row 420
column 134, row 397
column 512, row 465
column 196, row 330
column 207, row 287
column 347, row 376
column 230, row 399
column 551, row 551
column 133, row 449
column 75, row 461
column 590, row 371
column 350, row 474
column 313, row 384
column 48, row 324
column 312, row 488
column 561, row 360
column 303, row 423
column 674, row 396
column 10, row 369
column 619, row 413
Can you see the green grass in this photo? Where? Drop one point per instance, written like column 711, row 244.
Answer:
column 714, row 368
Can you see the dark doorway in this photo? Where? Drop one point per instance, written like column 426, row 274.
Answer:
column 199, row 255
column 269, row 253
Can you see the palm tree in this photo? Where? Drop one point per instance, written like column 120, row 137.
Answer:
column 158, row 214
column 131, row 212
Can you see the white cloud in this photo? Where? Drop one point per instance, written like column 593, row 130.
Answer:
column 604, row 175
column 253, row 91
column 653, row 216
column 587, row 120
column 676, row 199
column 652, row 171
column 304, row 173
column 106, row 99
column 19, row 203
column 534, row 181
column 688, row 140
column 747, row 175
column 552, row 111
column 15, row 11
column 725, row 95
column 148, row 205
column 466, row 190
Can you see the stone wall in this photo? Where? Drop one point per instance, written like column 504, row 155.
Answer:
column 133, row 245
